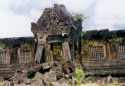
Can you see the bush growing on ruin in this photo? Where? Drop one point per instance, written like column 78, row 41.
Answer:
column 31, row 74
column 79, row 76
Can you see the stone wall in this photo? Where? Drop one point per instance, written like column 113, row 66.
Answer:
column 103, row 57
column 4, row 56
column 25, row 55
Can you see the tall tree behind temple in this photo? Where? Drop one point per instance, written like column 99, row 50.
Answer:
column 78, row 20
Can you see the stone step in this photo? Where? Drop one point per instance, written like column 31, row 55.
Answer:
column 5, row 65
column 6, row 71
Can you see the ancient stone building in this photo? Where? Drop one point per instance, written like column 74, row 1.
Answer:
column 55, row 35
column 25, row 54
column 121, row 51
column 4, row 56
column 58, row 38
column 15, row 53
column 103, row 52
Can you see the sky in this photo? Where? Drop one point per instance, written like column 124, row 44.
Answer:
column 17, row 15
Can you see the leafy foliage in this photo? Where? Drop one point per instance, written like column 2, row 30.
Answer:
column 2, row 45
column 31, row 74
column 79, row 76
column 79, row 17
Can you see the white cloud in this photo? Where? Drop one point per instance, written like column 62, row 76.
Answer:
column 16, row 15
column 14, row 25
column 4, row 5
column 24, row 7
column 75, row 5
column 110, row 13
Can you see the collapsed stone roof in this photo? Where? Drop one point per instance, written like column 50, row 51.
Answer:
column 54, row 20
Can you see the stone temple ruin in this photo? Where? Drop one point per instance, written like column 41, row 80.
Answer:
column 59, row 41
column 59, row 37
column 55, row 36
column 15, row 54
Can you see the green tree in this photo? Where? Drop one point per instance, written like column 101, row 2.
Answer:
column 2, row 45
column 77, row 17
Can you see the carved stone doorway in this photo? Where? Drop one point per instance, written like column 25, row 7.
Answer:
column 57, row 51
column 14, row 56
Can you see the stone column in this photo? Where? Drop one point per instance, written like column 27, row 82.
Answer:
column 39, row 54
column 49, row 56
column 8, row 56
column 19, row 55
column 66, row 51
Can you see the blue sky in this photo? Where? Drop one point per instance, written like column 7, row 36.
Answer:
column 16, row 15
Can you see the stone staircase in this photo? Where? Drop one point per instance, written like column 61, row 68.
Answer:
column 105, row 67
column 6, row 71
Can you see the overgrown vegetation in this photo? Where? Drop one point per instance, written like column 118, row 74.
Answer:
column 78, row 17
column 79, row 76
column 2, row 45
column 31, row 74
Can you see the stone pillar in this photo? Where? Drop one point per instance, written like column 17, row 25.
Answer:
column 108, row 51
column 66, row 51
column 19, row 55
column 39, row 54
column 8, row 56
column 104, row 50
column 49, row 56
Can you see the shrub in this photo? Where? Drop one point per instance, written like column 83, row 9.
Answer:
column 79, row 76
column 2, row 45
column 31, row 74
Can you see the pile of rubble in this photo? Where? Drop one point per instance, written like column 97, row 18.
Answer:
column 42, row 75
column 46, row 79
